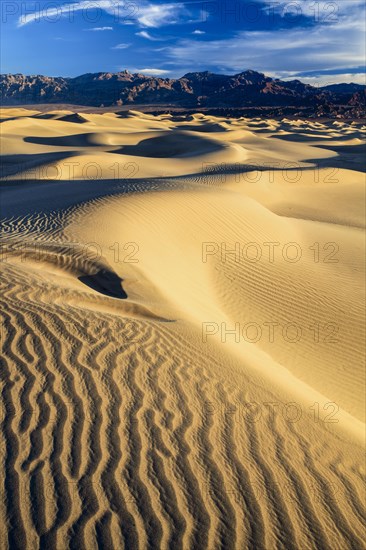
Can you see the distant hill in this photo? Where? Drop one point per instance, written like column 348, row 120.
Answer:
column 350, row 88
column 205, row 90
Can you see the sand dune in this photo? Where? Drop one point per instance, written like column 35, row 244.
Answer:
column 182, row 331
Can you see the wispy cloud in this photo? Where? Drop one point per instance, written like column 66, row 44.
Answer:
column 100, row 29
column 145, row 14
column 147, row 35
column 156, row 72
column 65, row 10
column 339, row 46
column 322, row 11
column 159, row 15
column 120, row 46
column 197, row 31
column 325, row 80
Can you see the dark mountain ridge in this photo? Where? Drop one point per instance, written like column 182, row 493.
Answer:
column 248, row 89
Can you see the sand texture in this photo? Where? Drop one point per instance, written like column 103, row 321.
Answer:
column 183, row 313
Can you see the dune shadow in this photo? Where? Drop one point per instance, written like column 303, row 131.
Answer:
column 349, row 157
column 105, row 282
column 177, row 145
column 303, row 136
column 46, row 116
column 204, row 128
column 73, row 140
column 17, row 163
column 73, row 117
column 359, row 150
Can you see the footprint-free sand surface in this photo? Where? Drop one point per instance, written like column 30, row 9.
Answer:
column 182, row 332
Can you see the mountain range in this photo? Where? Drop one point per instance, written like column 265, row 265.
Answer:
column 243, row 92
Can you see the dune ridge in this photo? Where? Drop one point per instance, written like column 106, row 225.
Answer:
column 155, row 390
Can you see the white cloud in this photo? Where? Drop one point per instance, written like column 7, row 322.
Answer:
column 145, row 14
column 145, row 34
column 322, row 11
column 54, row 14
column 100, row 29
column 326, row 80
column 151, row 71
column 120, row 46
column 276, row 51
column 198, row 32
column 158, row 15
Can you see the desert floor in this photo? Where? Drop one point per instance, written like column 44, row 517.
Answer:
column 182, row 332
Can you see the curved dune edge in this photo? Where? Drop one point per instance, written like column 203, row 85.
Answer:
column 121, row 425
column 219, row 292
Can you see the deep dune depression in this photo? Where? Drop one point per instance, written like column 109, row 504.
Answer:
column 182, row 332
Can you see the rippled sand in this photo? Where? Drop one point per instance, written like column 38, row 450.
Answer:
column 182, row 332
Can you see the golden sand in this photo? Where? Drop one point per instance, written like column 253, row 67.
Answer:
column 183, row 332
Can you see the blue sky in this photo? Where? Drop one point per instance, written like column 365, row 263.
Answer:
column 320, row 41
